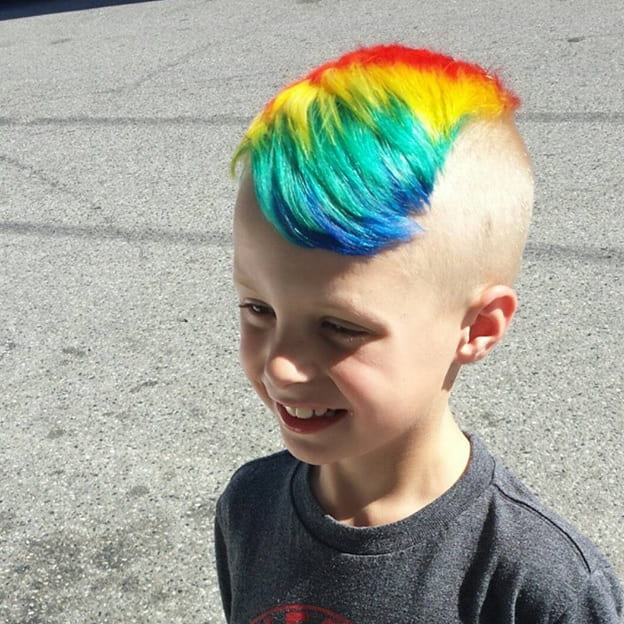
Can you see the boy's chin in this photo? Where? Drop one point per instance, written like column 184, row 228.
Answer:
column 314, row 455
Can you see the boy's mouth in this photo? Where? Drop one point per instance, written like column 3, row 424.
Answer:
column 308, row 420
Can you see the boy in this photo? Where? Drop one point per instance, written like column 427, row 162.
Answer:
column 380, row 222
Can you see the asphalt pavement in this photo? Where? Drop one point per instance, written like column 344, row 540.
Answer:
column 122, row 407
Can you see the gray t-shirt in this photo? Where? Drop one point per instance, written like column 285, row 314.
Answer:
column 486, row 552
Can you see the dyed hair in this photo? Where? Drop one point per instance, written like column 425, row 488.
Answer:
column 344, row 158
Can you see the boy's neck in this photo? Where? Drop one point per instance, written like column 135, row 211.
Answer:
column 376, row 490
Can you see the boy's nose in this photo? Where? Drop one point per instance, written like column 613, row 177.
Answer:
column 285, row 368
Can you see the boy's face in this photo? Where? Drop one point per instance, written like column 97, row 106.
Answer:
column 359, row 337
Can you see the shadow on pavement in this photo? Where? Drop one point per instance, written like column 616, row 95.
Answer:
column 11, row 9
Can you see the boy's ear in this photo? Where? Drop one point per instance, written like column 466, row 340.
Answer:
column 486, row 322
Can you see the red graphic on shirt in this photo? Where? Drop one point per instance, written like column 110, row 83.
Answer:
column 299, row 614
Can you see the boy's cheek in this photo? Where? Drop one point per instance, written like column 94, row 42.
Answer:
column 253, row 366
column 250, row 350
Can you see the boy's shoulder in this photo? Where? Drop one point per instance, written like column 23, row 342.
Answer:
column 521, row 513
column 527, row 545
column 534, row 531
column 257, row 482
column 261, row 468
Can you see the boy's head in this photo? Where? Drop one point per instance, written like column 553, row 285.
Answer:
column 388, row 144
column 379, row 225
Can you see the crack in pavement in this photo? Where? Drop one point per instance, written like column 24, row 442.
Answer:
column 611, row 117
column 556, row 251
column 215, row 238
column 182, row 120
column 160, row 70
column 52, row 183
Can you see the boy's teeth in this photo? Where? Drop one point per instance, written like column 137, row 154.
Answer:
column 305, row 412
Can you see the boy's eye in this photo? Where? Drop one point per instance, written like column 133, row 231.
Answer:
column 257, row 309
column 344, row 329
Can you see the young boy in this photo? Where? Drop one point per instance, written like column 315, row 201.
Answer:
column 379, row 226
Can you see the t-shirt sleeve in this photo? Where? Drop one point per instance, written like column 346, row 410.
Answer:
column 600, row 601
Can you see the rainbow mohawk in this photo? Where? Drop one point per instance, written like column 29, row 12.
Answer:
column 343, row 158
